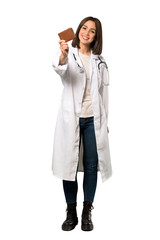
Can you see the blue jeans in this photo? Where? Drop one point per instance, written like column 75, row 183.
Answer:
column 90, row 164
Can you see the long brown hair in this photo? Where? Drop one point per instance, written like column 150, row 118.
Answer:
column 96, row 45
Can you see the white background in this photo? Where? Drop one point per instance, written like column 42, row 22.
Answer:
column 32, row 201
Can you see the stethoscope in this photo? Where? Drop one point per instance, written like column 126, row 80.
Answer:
column 76, row 60
column 101, row 62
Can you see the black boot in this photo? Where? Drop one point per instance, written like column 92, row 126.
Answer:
column 71, row 220
column 87, row 224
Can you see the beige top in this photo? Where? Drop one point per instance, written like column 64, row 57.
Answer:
column 86, row 110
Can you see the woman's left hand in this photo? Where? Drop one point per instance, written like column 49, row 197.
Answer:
column 107, row 129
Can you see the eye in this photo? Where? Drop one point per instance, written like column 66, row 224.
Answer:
column 93, row 31
column 84, row 27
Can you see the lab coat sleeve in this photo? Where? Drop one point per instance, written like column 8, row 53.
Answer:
column 104, row 91
column 60, row 69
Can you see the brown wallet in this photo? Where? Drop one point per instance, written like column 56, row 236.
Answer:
column 67, row 35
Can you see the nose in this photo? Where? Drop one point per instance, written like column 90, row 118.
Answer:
column 87, row 32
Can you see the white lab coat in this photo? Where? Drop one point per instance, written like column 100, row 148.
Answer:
column 66, row 154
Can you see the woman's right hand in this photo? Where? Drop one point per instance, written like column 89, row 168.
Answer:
column 64, row 48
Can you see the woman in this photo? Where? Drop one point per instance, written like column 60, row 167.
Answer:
column 81, row 133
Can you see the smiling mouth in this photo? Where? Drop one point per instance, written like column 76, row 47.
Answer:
column 85, row 38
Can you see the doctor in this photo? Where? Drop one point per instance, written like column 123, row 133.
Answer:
column 81, row 132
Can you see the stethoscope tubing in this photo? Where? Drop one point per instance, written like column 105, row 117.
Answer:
column 101, row 62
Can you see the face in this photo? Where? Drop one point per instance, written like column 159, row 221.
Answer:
column 87, row 33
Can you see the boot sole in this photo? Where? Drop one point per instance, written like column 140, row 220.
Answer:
column 86, row 228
